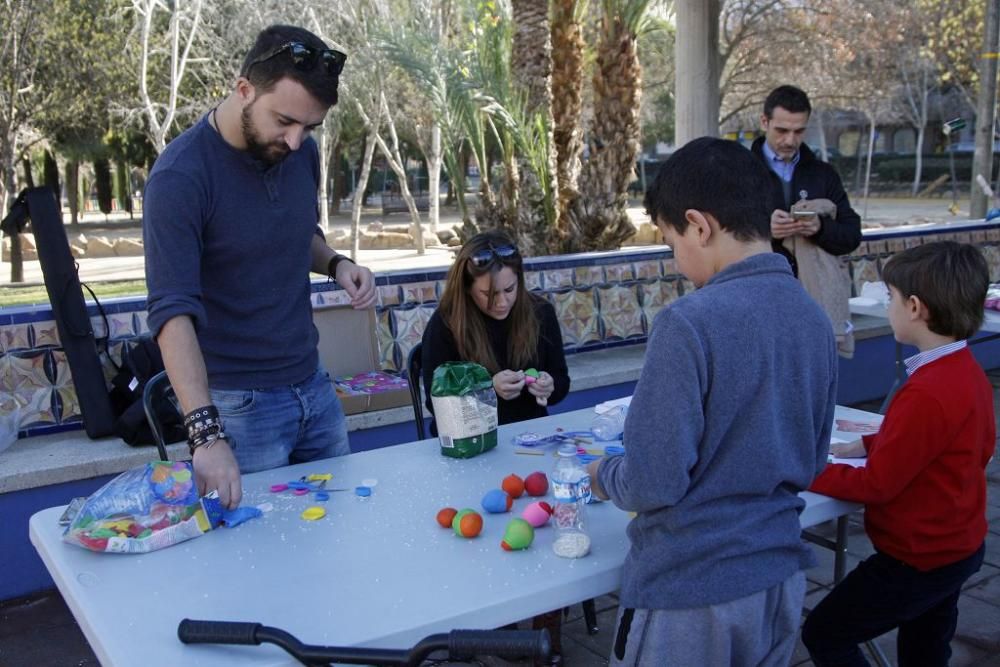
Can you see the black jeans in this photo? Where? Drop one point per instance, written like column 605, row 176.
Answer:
column 880, row 594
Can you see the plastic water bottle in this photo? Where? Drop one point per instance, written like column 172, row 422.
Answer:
column 571, row 489
column 610, row 425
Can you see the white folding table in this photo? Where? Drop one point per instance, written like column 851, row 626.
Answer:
column 376, row 571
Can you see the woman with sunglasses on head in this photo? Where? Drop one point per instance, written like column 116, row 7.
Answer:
column 487, row 315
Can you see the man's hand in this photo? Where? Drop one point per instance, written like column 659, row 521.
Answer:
column 215, row 469
column 359, row 284
column 849, row 450
column 595, row 484
column 542, row 388
column 508, row 384
column 783, row 224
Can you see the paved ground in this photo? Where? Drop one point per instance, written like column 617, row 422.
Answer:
column 882, row 212
column 40, row 631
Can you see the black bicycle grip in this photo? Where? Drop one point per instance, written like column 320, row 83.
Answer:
column 501, row 643
column 218, row 632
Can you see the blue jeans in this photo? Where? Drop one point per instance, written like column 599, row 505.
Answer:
column 274, row 427
column 883, row 593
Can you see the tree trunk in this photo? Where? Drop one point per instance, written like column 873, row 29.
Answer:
column 339, row 179
column 567, row 102
column 918, row 169
column 73, row 192
column 359, row 193
column 324, row 170
column 868, row 167
column 29, row 179
column 600, row 221
column 434, row 179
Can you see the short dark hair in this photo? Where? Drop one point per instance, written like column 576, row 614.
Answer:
column 715, row 176
column 266, row 74
column 788, row 98
column 949, row 278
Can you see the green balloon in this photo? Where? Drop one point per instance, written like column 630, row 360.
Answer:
column 518, row 535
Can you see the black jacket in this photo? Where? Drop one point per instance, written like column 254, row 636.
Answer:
column 837, row 236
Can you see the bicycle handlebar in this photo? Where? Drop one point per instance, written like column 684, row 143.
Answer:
column 460, row 644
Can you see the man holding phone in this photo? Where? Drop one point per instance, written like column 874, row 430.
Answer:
column 812, row 222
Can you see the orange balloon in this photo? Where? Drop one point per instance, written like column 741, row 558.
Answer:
column 513, row 485
column 467, row 523
column 445, row 516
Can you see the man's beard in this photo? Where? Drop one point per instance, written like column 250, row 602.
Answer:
column 268, row 153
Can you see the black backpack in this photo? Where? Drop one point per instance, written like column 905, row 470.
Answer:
column 141, row 360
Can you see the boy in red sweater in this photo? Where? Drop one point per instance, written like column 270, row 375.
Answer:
column 924, row 484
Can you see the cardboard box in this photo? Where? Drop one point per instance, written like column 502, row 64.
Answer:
column 348, row 346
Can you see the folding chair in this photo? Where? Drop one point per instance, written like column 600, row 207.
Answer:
column 159, row 401
column 414, row 369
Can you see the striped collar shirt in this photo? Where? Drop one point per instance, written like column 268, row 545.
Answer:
column 916, row 361
column 784, row 169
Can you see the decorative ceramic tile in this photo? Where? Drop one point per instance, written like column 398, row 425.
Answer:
column 36, row 407
column 864, row 270
column 619, row 273
column 993, row 234
column 98, row 327
column 16, row 337
column 979, row 236
column 875, row 247
column 410, row 324
column 670, row 268
column 69, row 405
column 388, row 295
column 26, row 372
column 964, row 237
column 895, row 244
column 656, row 296
column 648, row 269
column 557, row 278
column 913, row 241
column 439, row 286
column 115, row 351
column 386, row 343
column 687, row 287
column 141, row 322
column 585, row 276
column 423, row 292
column 621, row 316
column 992, row 255
column 336, row 298
column 533, row 280
column 46, row 334
column 121, row 325
column 577, row 315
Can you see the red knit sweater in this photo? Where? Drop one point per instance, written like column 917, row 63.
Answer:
column 924, row 485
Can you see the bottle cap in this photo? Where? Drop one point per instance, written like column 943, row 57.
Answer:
column 568, row 449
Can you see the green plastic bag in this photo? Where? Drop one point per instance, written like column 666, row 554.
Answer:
column 465, row 409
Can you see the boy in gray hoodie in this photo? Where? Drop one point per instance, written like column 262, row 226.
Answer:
column 730, row 419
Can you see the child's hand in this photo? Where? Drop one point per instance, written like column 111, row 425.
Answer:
column 849, row 450
column 508, row 384
column 595, row 485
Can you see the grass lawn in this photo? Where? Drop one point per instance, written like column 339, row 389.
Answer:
column 35, row 294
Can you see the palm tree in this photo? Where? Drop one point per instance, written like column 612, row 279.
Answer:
column 598, row 218
column 567, row 99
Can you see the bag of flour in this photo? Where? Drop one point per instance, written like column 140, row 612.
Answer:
column 465, row 409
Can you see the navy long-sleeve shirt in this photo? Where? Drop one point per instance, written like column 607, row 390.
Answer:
column 228, row 243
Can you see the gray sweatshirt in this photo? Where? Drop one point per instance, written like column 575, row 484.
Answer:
column 730, row 419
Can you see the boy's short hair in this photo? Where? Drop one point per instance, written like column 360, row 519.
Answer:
column 714, row 176
column 950, row 278
column 264, row 67
column 788, row 98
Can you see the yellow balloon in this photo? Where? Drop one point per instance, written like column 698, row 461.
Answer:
column 313, row 513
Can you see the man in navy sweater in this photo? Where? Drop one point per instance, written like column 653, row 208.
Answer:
column 230, row 230
column 730, row 420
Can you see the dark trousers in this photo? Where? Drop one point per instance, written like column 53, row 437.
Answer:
column 880, row 594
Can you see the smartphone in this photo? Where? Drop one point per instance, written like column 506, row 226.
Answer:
column 803, row 215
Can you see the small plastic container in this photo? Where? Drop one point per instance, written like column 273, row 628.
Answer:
column 610, row 425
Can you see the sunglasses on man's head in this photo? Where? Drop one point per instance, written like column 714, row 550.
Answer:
column 487, row 256
column 306, row 58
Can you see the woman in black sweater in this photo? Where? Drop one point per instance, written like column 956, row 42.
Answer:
column 487, row 315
